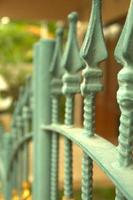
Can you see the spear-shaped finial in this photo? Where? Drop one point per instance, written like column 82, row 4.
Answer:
column 93, row 49
column 71, row 60
column 124, row 48
column 92, row 52
column 56, row 84
column 71, row 85
column 124, row 55
column 56, row 68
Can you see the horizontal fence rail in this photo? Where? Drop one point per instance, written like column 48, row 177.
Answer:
column 102, row 152
column 59, row 74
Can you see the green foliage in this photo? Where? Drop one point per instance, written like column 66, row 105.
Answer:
column 16, row 43
column 16, row 51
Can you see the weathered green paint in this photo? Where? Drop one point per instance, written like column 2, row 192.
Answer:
column 2, row 166
column 15, row 169
column 56, row 83
column 15, row 161
column 55, row 74
column 71, row 62
column 42, row 141
column 123, row 54
column 8, row 149
column 19, row 125
column 92, row 52
column 103, row 153
column 26, row 130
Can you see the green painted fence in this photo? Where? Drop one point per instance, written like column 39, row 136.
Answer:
column 36, row 115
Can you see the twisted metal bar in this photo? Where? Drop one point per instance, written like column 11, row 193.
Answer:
column 87, row 163
column 93, row 51
column 56, row 85
column 89, row 88
column 15, row 139
column 87, row 168
column 55, row 109
column 71, row 85
column 26, row 129
column 89, row 115
column 125, row 138
column 69, row 110
column 123, row 54
column 68, row 181
column 8, row 141
column 19, row 126
column 54, row 150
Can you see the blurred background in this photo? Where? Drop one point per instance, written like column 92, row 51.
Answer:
column 22, row 23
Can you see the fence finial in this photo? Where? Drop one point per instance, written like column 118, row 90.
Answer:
column 93, row 49
column 56, row 68
column 56, row 84
column 123, row 51
column 124, row 56
column 71, row 85
column 71, row 60
column 92, row 52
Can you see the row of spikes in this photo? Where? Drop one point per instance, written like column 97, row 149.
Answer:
column 92, row 51
column 23, row 100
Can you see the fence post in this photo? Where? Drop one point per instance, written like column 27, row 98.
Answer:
column 42, row 115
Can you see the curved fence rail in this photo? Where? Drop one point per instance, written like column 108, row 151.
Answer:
column 37, row 111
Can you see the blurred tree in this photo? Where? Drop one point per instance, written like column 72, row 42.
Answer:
column 16, row 42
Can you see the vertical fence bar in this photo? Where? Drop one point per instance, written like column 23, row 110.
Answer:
column 13, row 132
column 41, row 139
column 56, row 84
column 71, row 85
column 26, row 129
column 35, row 77
column 15, row 139
column 54, row 151
column 93, row 51
column 19, row 131
column 8, row 149
column 123, row 54
column 2, row 150
column 20, row 152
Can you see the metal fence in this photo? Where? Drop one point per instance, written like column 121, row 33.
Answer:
column 36, row 115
